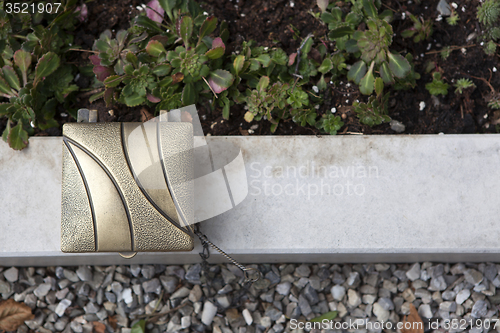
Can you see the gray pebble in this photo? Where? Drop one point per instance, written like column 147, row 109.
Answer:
column 84, row 273
column 193, row 274
column 305, row 307
column 448, row 306
column 208, row 314
column 11, row 275
column 414, row 272
column 303, row 271
column 273, row 277
column 180, row 293
column 380, row 312
column 135, row 270
column 70, row 275
column 311, row 295
column 148, row 271
column 338, row 292
column 42, row 290
column 438, row 284
column 152, row 286
column 283, row 288
column 424, row 310
column 91, row 308
column 62, row 306
column 479, row 309
column 386, row 303
column 473, row 276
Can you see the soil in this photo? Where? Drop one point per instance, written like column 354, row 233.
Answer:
column 282, row 23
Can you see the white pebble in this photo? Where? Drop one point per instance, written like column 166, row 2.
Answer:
column 205, row 13
column 494, row 69
column 139, row 8
column 316, row 107
column 242, row 15
column 439, row 18
column 248, row 316
column 454, row 5
column 208, row 314
column 463, row 50
column 315, row 89
column 421, row 105
column 347, row 101
column 463, row 9
column 334, row 110
column 292, row 4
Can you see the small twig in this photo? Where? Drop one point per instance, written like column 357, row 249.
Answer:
column 312, row 94
column 300, row 49
column 88, row 93
column 210, row 87
column 452, row 48
column 82, row 50
column 482, row 79
column 357, row 133
column 388, row 7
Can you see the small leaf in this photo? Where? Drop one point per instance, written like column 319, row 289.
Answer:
column 155, row 48
column 168, row 5
column 327, row 316
column 357, row 71
column 102, row 72
column 6, row 132
column 220, row 80
column 186, row 29
column 3, row 108
column 326, row 66
column 208, row 27
column 154, row 11
column 399, row 66
column 95, row 97
column 291, row 59
column 248, row 116
column 162, row 70
column 322, row 4
column 96, row 61
column 321, row 83
column 264, row 59
column 108, row 96
column 238, row 63
column 366, row 84
column 328, row 18
column 263, row 83
column 113, row 81
column 146, row 22
column 385, row 73
column 189, row 95
column 132, row 58
column 18, row 140
column 22, row 59
column 369, row 8
column 416, row 323
column 46, row 66
column 218, row 49
column 13, row 314
column 226, row 108
column 340, row 32
column 379, row 86
column 139, row 327
column 153, row 99
column 5, row 87
column 134, row 99
column 177, row 77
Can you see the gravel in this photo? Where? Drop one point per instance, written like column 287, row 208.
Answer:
column 70, row 299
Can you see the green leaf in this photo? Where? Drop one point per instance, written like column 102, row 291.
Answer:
column 208, row 27
column 326, row 66
column 134, row 99
column 351, row 46
column 220, row 80
column 5, row 133
column 238, row 63
column 189, row 95
column 385, row 73
column 307, row 47
column 328, row 18
column 22, row 59
column 18, row 137
column 369, row 8
column 215, row 53
column 132, row 58
column 340, row 32
column 337, row 14
column 226, row 108
column 399, row 66
column 113, row 80
column 3, row 108
column 366, row 84
column 168, row 5
column 162, row 70
column 186, row 29
column 321, row 83
column 146, row 22
column 263, row 83
column 155, row 48
column 95, row 97
column 5, row 87
column 264, row 59
column 357, row 71
column 139, row 327
column 46, row 66
column 11, row 77
column 328, row 316
column 379, row 86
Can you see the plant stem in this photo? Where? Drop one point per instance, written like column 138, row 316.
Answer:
column 452, row 48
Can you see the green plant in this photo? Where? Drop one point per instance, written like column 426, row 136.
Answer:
column 445, row 52
column 422, row 29
column 488, row 12
column 490, row 47
column 35, row 78
column 373, row 112
column 453, row 18
column 437, row 86
column 463, row 84
column 330, row 123
column 165, row 60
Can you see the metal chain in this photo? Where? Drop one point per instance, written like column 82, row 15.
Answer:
column 247, row 271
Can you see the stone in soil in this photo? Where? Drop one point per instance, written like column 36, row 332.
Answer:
column 11, row 275
column 414, row 272
column 473, row 276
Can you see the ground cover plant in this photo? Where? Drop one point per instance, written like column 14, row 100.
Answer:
column 310, row 68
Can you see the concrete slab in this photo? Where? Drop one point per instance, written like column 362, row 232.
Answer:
column 310, row 199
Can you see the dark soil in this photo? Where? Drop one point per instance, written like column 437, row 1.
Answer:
column 275, row 23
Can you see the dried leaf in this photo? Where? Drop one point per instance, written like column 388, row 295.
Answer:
column 99, row 327
column 145, row 115
column 412, row 323
column 113, row 322
column 13, row 315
